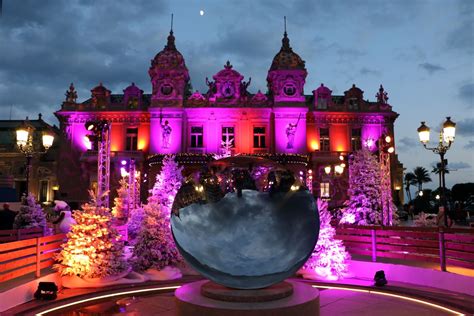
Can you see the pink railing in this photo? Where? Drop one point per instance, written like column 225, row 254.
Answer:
column 22, row 257
column 20, row 234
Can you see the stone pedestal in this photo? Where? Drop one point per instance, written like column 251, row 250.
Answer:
column 287, row 298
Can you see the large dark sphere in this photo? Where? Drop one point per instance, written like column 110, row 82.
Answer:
column 247, row 242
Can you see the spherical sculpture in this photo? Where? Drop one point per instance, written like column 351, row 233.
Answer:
column 239, row 236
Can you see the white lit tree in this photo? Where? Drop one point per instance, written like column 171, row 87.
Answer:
column 31, row 214
column 121, row 202
column 93, row 249
column 363, row 206
column 329, row 258
column 167, row 184
column 226, row 149
column 155, row 247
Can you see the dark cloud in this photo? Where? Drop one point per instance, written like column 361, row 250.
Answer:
column 431, row 68
column 469, row 145
column 406, row 143
column 461, row 37
column 53, row 43
column 465, row 127
column 368, row 71
column 459, row 165
column 466, row 93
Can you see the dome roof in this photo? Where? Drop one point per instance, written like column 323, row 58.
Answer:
column 286, row 58
column 169, row 57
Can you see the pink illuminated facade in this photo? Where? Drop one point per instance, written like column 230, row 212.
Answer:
column 310, row 131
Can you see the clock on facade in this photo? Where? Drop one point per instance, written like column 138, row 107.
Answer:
column 166, row 89
column 228, row 89
column 289, row 89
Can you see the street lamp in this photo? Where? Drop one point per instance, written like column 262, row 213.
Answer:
column 446, row 139
column 25, row 143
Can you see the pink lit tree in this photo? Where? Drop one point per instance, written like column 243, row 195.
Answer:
column 155, row 247
column 363, row 206
column 329, row 258
column 93, row 249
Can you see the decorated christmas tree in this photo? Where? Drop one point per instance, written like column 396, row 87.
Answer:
column 134, row 223
column 363, row 207
column 121, row 202
column 92, row 249
column 167, row 184
column 226, row 149
column 31, row 214
column 329, row 258
column 155, row 247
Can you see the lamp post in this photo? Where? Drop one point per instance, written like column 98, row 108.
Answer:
column 446, row 139
column 26, row 145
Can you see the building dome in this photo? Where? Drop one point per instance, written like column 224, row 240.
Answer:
column 169, row 58
column 286, row 58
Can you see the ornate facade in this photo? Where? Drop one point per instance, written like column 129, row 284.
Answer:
column 308, row 130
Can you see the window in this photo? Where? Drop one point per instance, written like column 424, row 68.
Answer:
column 228, row 136
column 132, row 139
column 353, row 104
column 324, row 139
column 259, row 137
column 197, row 137
column 356, row 139
column 325, row 189
column 322, row 102
column 43, row 194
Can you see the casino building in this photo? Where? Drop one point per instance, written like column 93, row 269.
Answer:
column 301, row 131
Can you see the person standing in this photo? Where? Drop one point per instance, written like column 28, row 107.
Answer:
column 7, row 217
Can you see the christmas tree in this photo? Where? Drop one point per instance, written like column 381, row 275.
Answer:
column 167, row 184
column 135, row 222
column 155, row 247
column 363, row 207
column 226, row 149
column 92, row 249
column 31, row 214
column 329, row 258
column 121, row 202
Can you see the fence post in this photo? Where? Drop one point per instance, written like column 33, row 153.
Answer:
column 374, row 245
column 38, row 258
column 442, row 249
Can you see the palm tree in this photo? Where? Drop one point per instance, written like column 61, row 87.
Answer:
column 421, row 176
column 438, row 170
column 409, row 181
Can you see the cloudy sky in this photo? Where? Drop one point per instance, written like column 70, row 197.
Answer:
column 422, row 51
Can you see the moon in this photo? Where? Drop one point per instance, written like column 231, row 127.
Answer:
column 201, row 12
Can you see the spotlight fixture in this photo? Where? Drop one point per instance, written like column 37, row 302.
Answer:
column 379, row 278
column 46, row 291
column 90, row 125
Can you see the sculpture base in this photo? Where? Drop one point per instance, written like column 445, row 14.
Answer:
column 304, row 300
column 222, row 293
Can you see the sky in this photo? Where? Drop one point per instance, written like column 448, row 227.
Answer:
column 422, row 51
